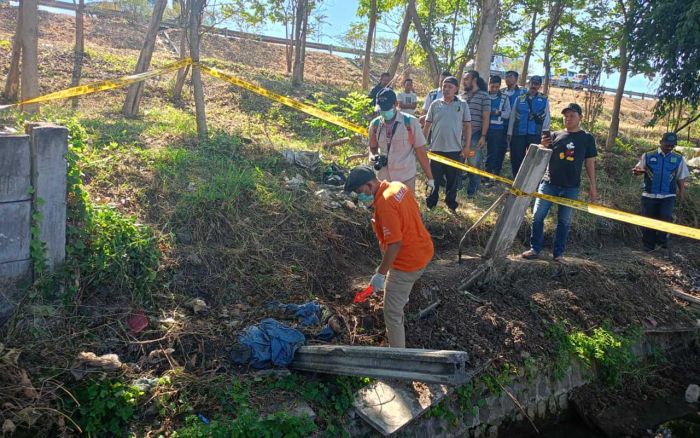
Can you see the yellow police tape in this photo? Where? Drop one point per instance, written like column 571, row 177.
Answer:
column 595, row 209
column 303, row 107
column 108, row 84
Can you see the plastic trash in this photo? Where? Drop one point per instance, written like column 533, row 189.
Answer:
column 362, row 295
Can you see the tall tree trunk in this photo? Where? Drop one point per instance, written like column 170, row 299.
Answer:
column 403, row 36
column 196, row 11
column 182, row 73
column 368, row 44
column 554, row 16
column 133, row 96
column 528, row 52
column 29, row 82
column 468, row 51
column 425, row 44
column 288, row 48
column 487, row 36
column 12, row 82
column 300, row 27
column 79, row 50
column 451, row 60
column 617, row 103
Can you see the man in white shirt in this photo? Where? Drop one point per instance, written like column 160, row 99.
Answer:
column 408, row 99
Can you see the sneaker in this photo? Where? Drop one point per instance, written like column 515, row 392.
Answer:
column 530, row 254
column 558, row 258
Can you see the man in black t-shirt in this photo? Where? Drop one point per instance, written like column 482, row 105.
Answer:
column 384, row 80
column 571, row 150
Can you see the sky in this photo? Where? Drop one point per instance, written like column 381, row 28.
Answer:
column 341, row 13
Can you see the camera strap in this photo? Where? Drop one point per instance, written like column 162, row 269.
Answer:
column 529, row 104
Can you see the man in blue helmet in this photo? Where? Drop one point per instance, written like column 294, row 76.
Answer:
column 529, row 120
column 664, row 173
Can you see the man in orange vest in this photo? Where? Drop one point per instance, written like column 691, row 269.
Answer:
column 403, row 239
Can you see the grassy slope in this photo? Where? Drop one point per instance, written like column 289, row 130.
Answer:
column 232, row 234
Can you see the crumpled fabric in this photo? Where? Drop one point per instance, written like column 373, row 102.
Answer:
column 271, row 343
column 308, row 314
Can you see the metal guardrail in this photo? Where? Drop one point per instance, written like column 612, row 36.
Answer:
column 578, row 86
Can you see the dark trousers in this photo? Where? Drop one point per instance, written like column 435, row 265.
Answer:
column 657, row 208
column 495, row 150
column 450, row 174
column 518, row 149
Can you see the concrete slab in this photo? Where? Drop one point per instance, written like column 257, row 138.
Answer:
column 15, row 231
column 15, row 168
column 388, row 406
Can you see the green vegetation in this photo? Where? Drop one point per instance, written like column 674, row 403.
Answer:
column 104, row 408
column 607, row 353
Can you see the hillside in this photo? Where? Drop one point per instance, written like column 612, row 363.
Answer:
column 216, row 223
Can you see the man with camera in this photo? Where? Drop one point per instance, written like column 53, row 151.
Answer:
column 404, row 241
column 529, row 120
column 449, row 124
column 572, row 149
column 395, row 142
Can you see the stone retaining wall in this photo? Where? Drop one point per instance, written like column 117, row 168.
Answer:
column 543, row 396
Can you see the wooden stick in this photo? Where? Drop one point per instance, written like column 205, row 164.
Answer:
column 684, row 296
column 479, row 221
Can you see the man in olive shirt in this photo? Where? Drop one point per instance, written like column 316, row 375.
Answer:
column 448, row 123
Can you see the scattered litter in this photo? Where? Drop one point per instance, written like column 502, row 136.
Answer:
column 692, row 393
column 334, row 175
column 204, row 419
column 349, row 204
column 295, row 182
column 145, row 384
column 306, row 159
column 159, row 355
column 324, row 194
column 169, row 321
column 191, row 187
column 137, row 322
column 271, row 343
column 199, row 307
column 88, row 362
column 361, row 296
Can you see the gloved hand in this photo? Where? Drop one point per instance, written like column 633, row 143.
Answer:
column 377, row 282
column 430, row 184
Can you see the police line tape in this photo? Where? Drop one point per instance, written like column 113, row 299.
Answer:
column 108, row 84
column 596, row 209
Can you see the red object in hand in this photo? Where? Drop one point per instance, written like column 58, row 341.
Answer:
column 362, row 295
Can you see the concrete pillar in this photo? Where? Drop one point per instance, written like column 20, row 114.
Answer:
column 49, row 145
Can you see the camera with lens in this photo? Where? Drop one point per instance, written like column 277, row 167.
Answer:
column 379, row 161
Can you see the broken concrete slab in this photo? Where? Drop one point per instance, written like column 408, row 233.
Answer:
column 432, row 366
column 388, row 406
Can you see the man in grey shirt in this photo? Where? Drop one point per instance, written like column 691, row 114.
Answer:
column 477, row 96
column 449, row 124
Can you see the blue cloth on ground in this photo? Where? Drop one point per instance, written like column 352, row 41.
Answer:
column 271, row 343
column 308, row 314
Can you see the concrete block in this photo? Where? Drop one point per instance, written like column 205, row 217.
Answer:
column 15, row 168
column 541, row 409
column 563, row 401
column 389, row 406
column 15, row 231
column 48, row 145
column 552, row 404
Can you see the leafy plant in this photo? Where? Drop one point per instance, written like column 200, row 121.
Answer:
column 248, row 425
column 104, row 408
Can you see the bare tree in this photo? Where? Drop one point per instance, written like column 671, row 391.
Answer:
column 182, row 73
column 12, row 82
column 196, row 11
column 555, row 12
column 133, row 95
column 368, row 45
column 488, row 18
column 624, row 69
column 300, row 30
column 403, row 36
column 532, row 36
column 29, row 82
column 79, row 50
column 425, row 44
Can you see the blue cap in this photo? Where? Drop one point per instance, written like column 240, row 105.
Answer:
column 386, row 98
column 670, row 138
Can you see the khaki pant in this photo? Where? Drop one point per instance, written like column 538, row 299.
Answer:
column 396, row 292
